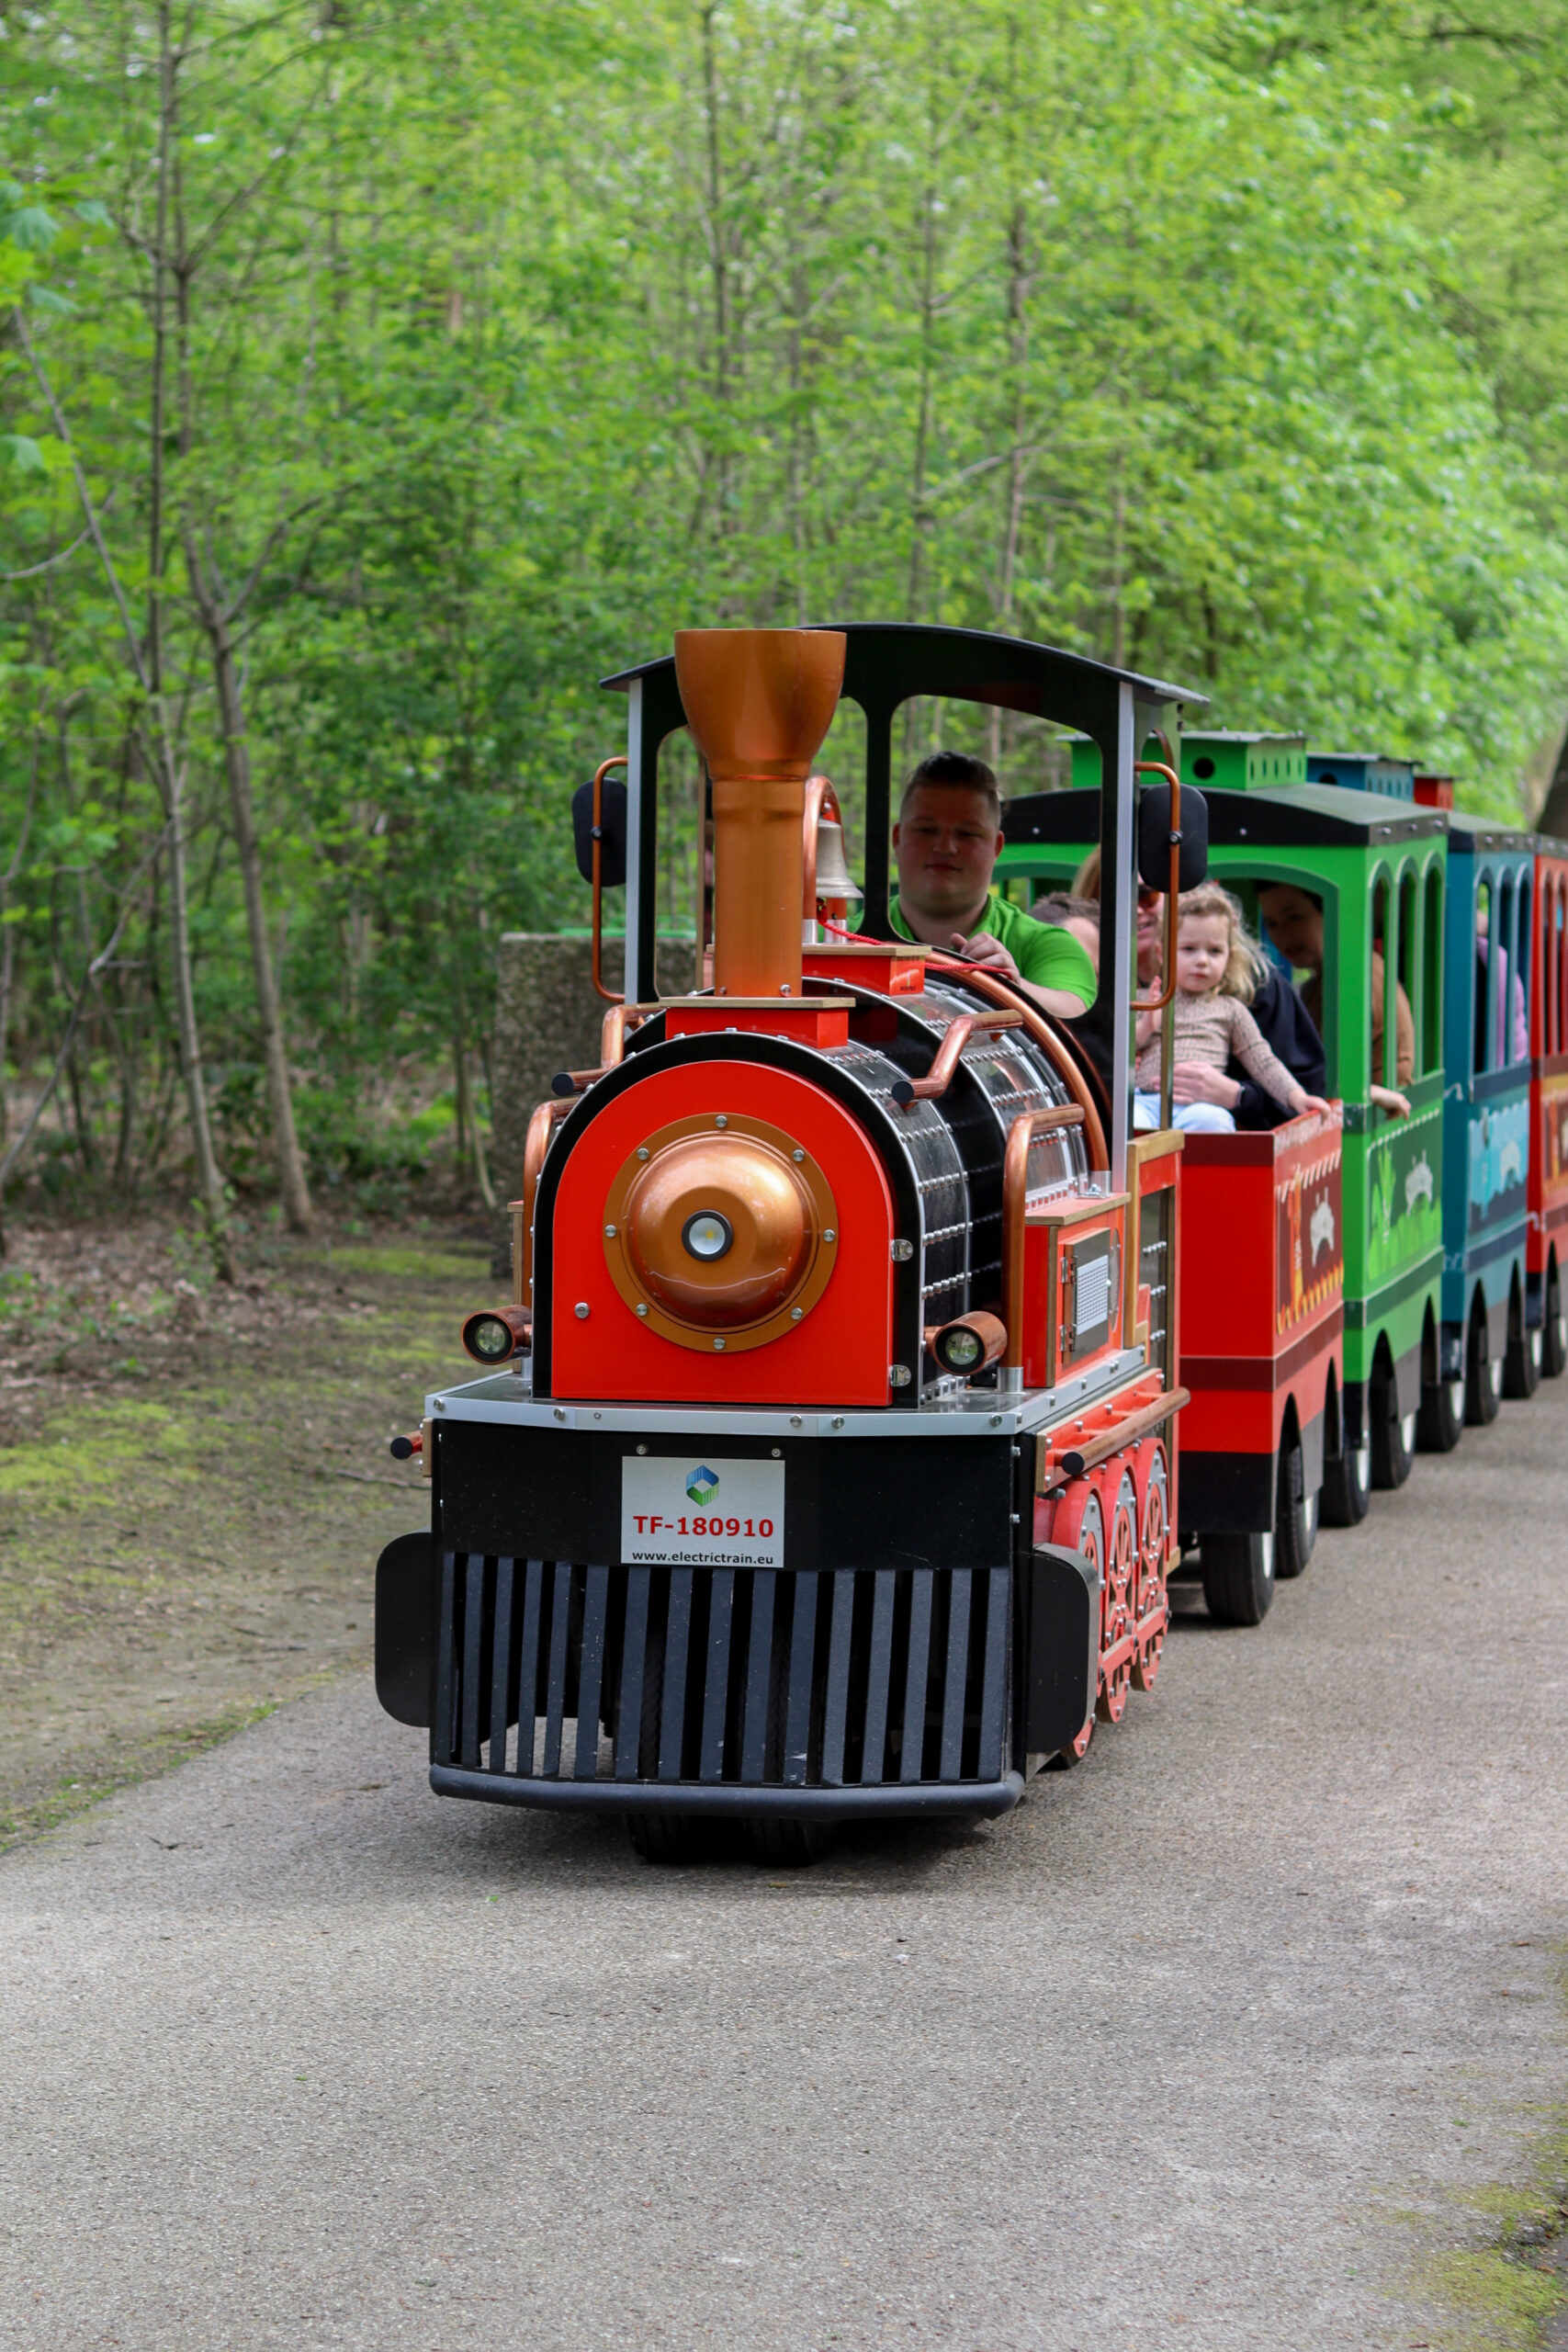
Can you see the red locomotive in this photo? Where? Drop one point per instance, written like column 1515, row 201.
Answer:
column 825, row 1462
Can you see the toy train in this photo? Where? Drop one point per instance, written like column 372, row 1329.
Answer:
column 825, row 1462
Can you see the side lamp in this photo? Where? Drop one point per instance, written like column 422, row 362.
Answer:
column 496, row 1334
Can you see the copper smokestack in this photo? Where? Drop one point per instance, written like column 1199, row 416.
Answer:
column 759, row 702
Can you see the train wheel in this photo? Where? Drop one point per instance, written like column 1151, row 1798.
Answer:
column 1295, row 1512
column 1121, row 1595
column 1439, row 1424
column 1392, row 1435
column 1239, row 1577
column 1483, row 1377
column 781, row 1844
column 1153, row 1536
column 1554, row 1327
column 670, row 1836
column 1079, row 1523
column 1521, row 1365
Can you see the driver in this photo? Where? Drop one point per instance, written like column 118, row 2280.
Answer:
column 946, row 841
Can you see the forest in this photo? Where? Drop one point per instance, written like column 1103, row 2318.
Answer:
column 375, row 378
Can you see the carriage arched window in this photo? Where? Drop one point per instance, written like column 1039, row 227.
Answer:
column 1408, row 965
column 1517, row 1016
column 1432, row 968
column 1481, row 1019
column 1379, row 1043
column 1501, row 973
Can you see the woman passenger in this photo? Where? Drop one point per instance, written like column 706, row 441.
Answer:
column 1293, row 920
column 1286, row 1027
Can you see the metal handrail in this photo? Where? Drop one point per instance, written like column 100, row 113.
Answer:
column 617, row 760
column 1015, row 1195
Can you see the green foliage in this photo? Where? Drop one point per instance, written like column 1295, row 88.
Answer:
column 1228, row 343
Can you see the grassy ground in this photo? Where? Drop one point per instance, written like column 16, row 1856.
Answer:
column 195, row 1483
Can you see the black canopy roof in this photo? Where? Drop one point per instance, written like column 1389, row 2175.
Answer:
column 886, row 663
column 1291, row 816
column 893, row 660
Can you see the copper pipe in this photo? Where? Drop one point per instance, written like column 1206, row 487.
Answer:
column 402, row 1448
column 568, row 1082
column 1075, row 1459
column 1015, row 1196
column 759, row 702
column 990, row 1329
column 1173, row 892
column 939, row 1078
column 1038, row 1026
column 536, row 1142
column 618, row 760
column 618, row 1021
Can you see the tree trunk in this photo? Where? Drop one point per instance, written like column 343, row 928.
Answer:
column 476, row 1142
column 171, row 783
column 8, row 945
column 290, row 1162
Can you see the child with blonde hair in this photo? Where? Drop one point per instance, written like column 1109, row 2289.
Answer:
column 1217, row 973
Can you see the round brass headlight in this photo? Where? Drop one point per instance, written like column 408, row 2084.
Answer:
column 719, row 1229
column 720, row 1235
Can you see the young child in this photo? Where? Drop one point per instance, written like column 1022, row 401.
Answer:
column 1215, row 981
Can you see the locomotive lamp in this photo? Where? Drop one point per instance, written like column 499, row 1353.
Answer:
column 497, row 1334
column 970, row 1344
column 759, row 702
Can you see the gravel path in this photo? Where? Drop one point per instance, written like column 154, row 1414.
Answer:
column 1205, row 2047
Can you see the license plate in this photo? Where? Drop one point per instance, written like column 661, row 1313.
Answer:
column 682, row 1510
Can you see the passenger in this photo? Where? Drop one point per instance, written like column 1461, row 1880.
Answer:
column 1214, row 980
column 1282, row 1022
column 947, row 840
column 1080, row 916
column 1293, row 920
column 1151, row 919
column 1519, row 1043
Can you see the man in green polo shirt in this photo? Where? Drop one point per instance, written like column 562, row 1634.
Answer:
column 947, row 840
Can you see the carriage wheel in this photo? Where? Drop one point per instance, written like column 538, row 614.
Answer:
column 1295, row 1511
column 1482, row 1373
column 1121, row 1595
column 1554, row 1327
column 1151, row 1566
column 1392, row 1433
column 1079, row 1523
column 1523, row 1363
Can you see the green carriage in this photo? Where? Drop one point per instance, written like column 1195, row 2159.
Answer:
column 1376, row 861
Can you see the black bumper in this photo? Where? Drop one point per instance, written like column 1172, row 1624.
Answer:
column 811, row 1804
column 912, row 1678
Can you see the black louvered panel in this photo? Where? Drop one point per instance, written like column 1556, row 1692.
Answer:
column 633, row 1674
column 754, row 1676
column 798, row 1690
column 501, row 1706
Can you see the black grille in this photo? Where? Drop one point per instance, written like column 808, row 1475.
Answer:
column 757, row 1677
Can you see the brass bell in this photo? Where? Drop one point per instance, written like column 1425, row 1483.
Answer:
column 834, row 880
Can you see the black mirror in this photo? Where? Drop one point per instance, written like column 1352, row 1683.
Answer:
column 1153, row 837
column 612, row 831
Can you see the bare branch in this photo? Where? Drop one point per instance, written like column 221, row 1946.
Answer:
column 34, row 569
